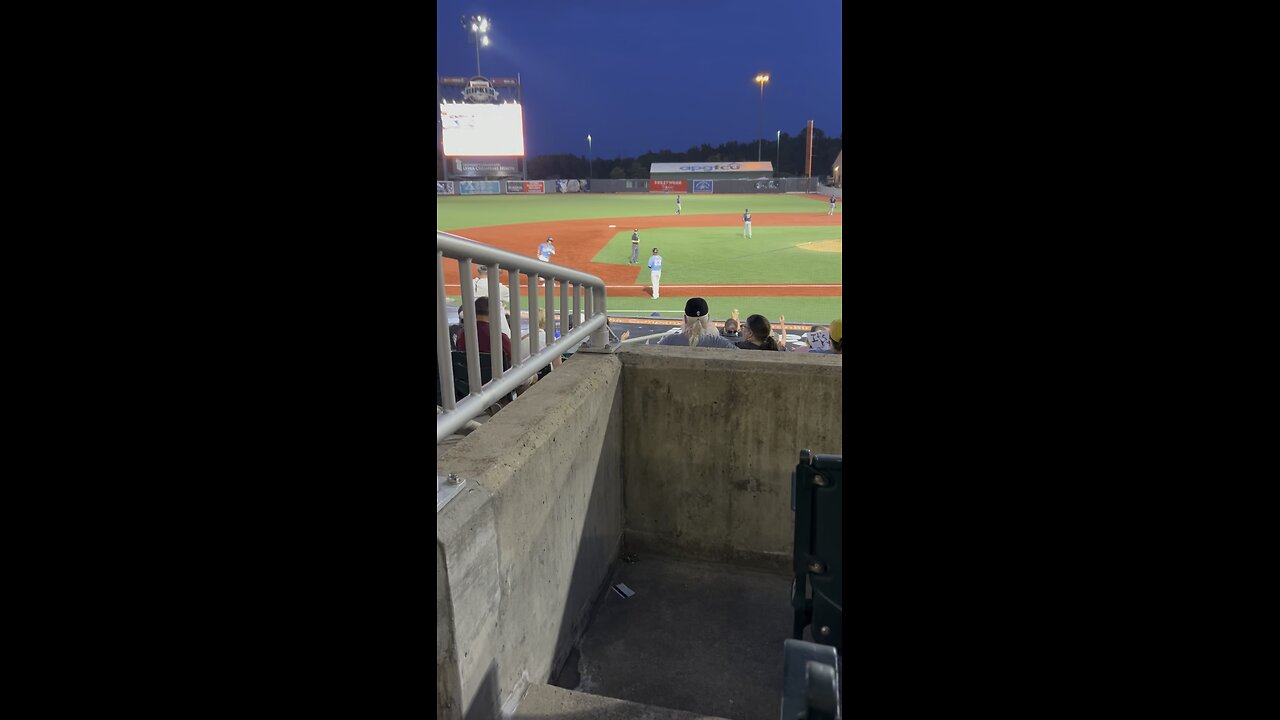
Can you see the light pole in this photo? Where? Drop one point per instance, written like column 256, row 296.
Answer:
column 778, row 159
column 589, row 173
column 761, row 79
column 478, row 26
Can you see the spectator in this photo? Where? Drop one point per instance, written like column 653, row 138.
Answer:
column 836, row 335
column 698, row 330
column 480, row 286
column 482, row 331
column 759, row 335
column 541, row 329
column 809, row 337
column 731, row 329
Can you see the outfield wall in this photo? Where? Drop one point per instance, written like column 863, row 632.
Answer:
column 695, row 186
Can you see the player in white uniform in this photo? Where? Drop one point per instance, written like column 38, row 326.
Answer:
column 655, row 271
column 832, row 208
column 746, row 223
column 677, row 204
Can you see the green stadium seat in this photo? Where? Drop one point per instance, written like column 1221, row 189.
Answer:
column 817, row 494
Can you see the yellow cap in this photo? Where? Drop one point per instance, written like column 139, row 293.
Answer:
column 837, row 331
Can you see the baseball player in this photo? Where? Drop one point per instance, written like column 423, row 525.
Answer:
column 635, row 246
column 655, row 271
column 546, row 250
column 746, row 223
column 677, row 204
column 832, row 208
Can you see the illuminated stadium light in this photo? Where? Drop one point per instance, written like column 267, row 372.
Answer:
column 478, row 25
column 760, row 78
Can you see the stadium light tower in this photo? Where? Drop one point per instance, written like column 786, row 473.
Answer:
column 761, row 79
column 778, row 159
column 479, row 26
column 589, row 173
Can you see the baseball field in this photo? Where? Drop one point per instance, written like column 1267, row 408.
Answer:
column 791, row 265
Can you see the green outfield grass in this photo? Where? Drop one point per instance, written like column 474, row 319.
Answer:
column 721, row 255
column 484, row 210
column 798, row 310
column 692, row 255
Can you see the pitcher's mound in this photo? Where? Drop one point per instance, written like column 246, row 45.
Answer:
column 822, row 246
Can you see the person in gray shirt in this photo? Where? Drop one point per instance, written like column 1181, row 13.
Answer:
column 698, row 330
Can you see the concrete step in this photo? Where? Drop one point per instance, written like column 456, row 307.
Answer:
column 544, row 702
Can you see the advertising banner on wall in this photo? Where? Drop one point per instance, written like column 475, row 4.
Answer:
column 561, row 185
column 715, row 167
column 668, row 186
column 525, row 186
column 444, row 187
column 704, row 186
column 479, row 187
column 484, row 167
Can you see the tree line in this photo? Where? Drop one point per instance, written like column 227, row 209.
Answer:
column 789, row 158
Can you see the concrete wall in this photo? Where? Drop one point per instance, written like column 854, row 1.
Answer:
column 525, row 549
column 712, row 437
column 700, row 444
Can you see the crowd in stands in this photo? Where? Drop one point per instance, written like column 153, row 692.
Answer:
column 697, row 330
column 756, row 333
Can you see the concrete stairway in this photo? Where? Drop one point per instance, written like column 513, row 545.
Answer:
column 544, row 702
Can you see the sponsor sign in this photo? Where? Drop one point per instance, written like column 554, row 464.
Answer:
column 479, row 187
column 716, row 167
column 704, row 186
column 574, row 186
column 484, row 167
column 668, row 186
column 525, row 186
column 561, row 185
column 444, row 187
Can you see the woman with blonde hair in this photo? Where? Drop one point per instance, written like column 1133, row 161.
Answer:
column 698, row 330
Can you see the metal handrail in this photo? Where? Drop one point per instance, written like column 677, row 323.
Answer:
column 579, row 322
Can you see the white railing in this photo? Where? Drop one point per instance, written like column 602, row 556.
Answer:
column 582, row 318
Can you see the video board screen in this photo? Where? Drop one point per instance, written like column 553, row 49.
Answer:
column 479, row 130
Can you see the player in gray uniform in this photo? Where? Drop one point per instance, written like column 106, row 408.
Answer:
column 635, row 246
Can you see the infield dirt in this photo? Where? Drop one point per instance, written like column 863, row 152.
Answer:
column 577, row 241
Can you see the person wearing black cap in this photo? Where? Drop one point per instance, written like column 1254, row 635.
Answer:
column 698, row 330
column 635, row 246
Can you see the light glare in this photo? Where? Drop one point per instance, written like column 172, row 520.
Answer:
column 485, row 41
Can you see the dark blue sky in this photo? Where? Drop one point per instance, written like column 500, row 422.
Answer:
column 651, row 75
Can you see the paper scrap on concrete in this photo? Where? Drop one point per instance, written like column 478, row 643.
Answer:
column 623, row 590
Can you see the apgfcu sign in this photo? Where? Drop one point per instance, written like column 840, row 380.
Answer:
column 713, row 167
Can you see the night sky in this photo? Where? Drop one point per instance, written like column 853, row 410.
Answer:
column 654, row 75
